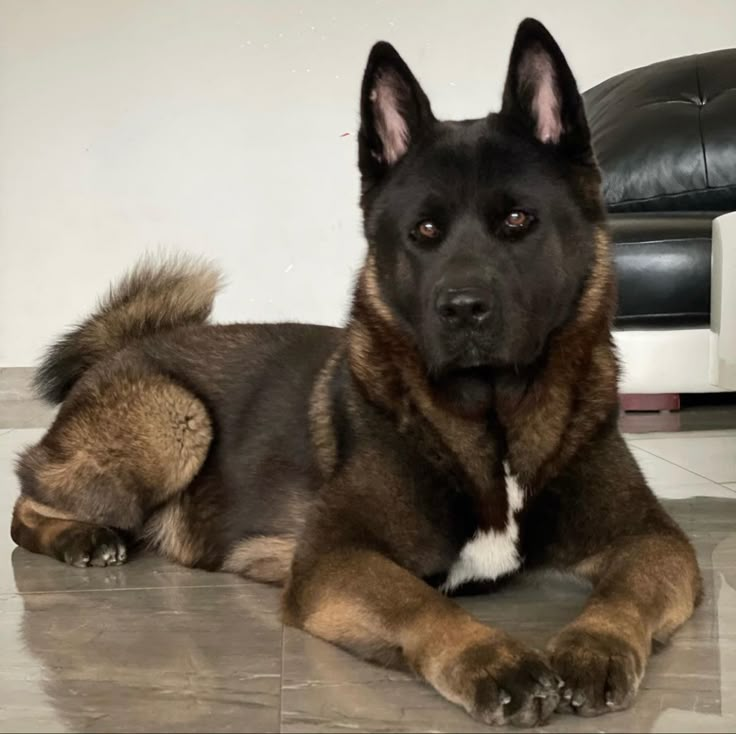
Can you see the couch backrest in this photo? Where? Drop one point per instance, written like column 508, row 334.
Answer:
column 665, row 134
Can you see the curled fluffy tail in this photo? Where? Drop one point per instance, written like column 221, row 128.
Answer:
column 153, row 297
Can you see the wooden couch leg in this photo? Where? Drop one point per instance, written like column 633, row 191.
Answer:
column 634, row 403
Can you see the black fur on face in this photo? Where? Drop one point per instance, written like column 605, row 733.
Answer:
column 483, row 230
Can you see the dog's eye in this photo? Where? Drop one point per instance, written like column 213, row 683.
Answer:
column 428, row 230
column 517, row 219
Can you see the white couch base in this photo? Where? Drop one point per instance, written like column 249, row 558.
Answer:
column 664, row 361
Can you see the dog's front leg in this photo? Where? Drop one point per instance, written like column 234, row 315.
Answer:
column 645, row 578
column 644, row 588
column 362, row 601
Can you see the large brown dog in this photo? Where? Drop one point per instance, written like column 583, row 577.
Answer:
column 463, row 425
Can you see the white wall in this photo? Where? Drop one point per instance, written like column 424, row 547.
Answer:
column 215, row 126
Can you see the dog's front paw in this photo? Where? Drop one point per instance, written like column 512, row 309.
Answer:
column 501, row 682
column 601, row 673
column 90, row 545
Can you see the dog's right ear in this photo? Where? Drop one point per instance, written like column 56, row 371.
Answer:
column 394, row 112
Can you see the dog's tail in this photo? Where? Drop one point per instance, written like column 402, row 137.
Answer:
column 155, row 296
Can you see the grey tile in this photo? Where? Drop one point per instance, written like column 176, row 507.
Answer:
column 12, row 441
column 712, row 457
column 639, row 437
column 683, row 491
column 29, row 573
column 668, row 479
column 172, row 659
column 326, row 689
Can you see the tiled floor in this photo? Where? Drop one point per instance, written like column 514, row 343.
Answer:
column 154, row 647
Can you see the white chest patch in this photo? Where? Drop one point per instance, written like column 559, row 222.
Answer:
column 490, row 554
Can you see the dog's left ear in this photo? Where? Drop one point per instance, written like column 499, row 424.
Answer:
column 394, row 112
column 541, row 93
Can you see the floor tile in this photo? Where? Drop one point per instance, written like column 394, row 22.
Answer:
column 12, row 441
column 29, row 573
column 328, row 690
column 683, row 491
column 670, row 480
column 156, row 660
column 639, row 437
column 712, row 457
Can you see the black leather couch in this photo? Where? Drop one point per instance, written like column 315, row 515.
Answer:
column 665, row 138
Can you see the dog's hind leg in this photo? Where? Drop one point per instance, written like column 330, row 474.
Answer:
column 43, row 529
column 125, row 442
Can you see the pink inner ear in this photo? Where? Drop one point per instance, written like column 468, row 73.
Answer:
column 390, row 123
column 537, row 72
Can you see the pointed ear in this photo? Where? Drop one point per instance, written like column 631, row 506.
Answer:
column 541, row 93
column 394, row 112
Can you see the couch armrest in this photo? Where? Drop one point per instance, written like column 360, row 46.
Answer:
column 723, row 303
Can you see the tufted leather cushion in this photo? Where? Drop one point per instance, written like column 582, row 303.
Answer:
column 663, row 266
column 665, row 134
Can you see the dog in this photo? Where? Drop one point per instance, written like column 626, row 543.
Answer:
column 460, row 428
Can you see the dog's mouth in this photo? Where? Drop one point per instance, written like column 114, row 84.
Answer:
column 472, row 357
column 486, row 353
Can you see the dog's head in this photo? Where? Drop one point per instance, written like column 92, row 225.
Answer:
column 481, row 232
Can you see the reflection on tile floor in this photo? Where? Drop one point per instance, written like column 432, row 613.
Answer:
column 155, row 647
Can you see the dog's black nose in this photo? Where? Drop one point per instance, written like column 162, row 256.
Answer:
column 463, row 307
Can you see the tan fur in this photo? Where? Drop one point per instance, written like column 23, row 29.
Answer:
column 27, row 508
column 320, row 417
column 159, row 298
column 351, row 604
column 373, row 291
column 38, row 525
column 644, row 587
column 590, row 568
column 141, row 431
column 347, row 621
column 169, row 532
column 264, row 558
column 440, row 638
column 598, row 291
